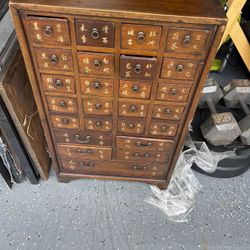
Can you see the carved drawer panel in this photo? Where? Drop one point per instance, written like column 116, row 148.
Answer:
column 163, row 128
column 85, row 152
column 98, row 123
column 167, row 111
column 133, row 67
column 179, row 69
column 172, row 92
column 83, row 138
column 145, row 37
column 58, row 83
column 62, row 104
column 96, row 63
column 132, row 109
column 115, row 168
column 48, row 31
column 124, row 142
column 131, row 126
column 141, row 155
column 97, row 106
column 95, row 33
column 97, row 86
column 183, row 40
column 135, row 89
column 54, row 59
column 65, row 121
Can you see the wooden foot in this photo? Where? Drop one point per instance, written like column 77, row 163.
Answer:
column 63, row 179
column 162, row 185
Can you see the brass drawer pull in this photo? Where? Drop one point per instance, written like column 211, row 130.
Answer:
column 141, row 37
column 138, row 155
column 97, row 85
column 63, row 104
column 88, row 164
column 131, row 125
column 186, row 41
column 54, row 59
column 138, row 68
column 139, row 144
column 136, row 88
column 65, row 121
column 98, row 106
column 48, row 31
column 87, row 151
column 133, row 108
column 84, row 141
column 58, row 83
column 98, row 123
column 179, row 68
column 95, row 33
column 167, row 111
column 172, row 92
column 163, row 128
column 140, row 168
column 97, row 64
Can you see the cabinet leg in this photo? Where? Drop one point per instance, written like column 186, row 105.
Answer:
column 162, row 185
column 63, row 179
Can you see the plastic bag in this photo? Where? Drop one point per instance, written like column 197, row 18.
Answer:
column 178, row 200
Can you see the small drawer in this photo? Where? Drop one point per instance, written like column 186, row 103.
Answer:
column 98, row 123
column 63, row 121
column 124, row 142
column 97, row 106
column 96, row 63
column 85, row 152
column 135, row 89
column 179, row 69
column 133, row 67
column 96, row 86
column 144, row 37
column 95, row 33
column 54, row 59
column 132, row 109
column 182, row 40
column 48, row 31
column 62, row 104
column 168, row 112
column 172, row 92
column 82, row 138
column 163, row 128
column 132, row 126
column 136, row 169
column 58, row 83
column 141, row 155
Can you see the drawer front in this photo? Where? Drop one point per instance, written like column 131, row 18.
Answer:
column 168, row 112
column 62, row 104
column 98, row 123
column 163, row 128
column 132, row 109
column 82, row 138
column 135, row 89
column 179, row 69
column 58, row 83
column 145, row 37
column 64, row 121
column 182, row 40
column 96, row 63
column 123, row 142
column 94, row 33
column 85, row 152
column 97, row 86
column 132, row 126
column 115, row 168
column 172, row 92
column 97, row 107
column 54, row 59
column 48, row 31
column 132, row 67
column 141, row 155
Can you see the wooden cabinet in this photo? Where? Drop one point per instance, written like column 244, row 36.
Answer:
column 117, row 83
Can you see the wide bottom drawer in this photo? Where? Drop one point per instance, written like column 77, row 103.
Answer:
column 114, row 168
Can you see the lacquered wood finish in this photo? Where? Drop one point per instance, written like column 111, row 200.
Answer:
column 122, row 87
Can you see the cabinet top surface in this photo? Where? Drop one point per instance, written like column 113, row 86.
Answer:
column 129, row 8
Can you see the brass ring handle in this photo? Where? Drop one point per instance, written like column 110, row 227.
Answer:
column 141, row 37
column 172, row 92
column 179, row 68
column 54, row 59
column 88, row 164
column 133, row 108
column 48, row 31
column 87, row 151
column 139, row 144
column 135, row 88
column 138, row 68
column 86, row 139
column 95, row 33
column 97, row 85
column 186, row 41
column 63, row 104
column 139, row 167
column 98, row 123
column 65, row 120
column 97, row 64
column 58, row 83
column 98, row 106
column 167, row 111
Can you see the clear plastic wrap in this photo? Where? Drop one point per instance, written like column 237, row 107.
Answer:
column 178, row 200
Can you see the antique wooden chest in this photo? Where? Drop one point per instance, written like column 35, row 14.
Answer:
column 117, row 82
